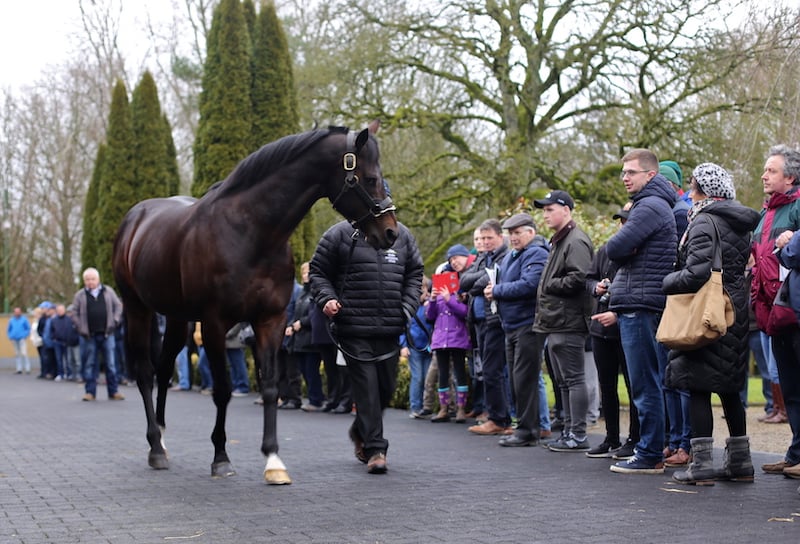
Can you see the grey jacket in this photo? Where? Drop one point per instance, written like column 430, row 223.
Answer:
column 113, row 311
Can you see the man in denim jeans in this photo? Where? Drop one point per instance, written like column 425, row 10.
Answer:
column 645, row 250
column 98, row 312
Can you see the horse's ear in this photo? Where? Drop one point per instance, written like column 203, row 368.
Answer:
column 374, row 126
column 361, row 139
column 363, row 136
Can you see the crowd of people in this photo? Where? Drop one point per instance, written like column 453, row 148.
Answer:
column 476, row 333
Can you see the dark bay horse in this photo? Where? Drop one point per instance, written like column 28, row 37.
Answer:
column 225, row 259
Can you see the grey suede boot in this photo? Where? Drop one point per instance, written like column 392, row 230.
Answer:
column 701, row 469
column 737, row 465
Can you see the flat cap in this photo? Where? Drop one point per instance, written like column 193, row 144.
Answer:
column 519, row 220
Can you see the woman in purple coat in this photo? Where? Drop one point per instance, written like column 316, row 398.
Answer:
column 450, row 342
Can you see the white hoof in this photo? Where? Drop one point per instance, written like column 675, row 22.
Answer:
column 275, row 472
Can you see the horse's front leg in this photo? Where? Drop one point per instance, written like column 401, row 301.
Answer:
column 275, row 472
column 214, row 344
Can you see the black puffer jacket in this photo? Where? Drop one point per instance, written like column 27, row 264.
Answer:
column 379, row 289
column 720, row 367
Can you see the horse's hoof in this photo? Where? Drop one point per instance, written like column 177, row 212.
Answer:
column 222, row 470
column 277, row 476
column 158, row 461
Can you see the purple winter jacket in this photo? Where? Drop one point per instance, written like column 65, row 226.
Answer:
column 449, row 323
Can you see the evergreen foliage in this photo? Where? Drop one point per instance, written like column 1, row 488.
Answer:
column 117, row 181
column 151, row 178
column 275, row 106
column 90, row 212
column 224, row 132
column 173, row 179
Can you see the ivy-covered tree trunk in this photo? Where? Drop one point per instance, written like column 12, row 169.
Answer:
column 224, row 132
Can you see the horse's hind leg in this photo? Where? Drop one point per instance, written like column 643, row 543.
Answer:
column 214, row 344
column 138, row 351
column 174, row 340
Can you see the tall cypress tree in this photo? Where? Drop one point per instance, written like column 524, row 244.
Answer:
column 224, row 133
column 275, row 105
column 173, row 180
column 149, row 142
column 90, row 212
column 274, row 97
column 117, row 190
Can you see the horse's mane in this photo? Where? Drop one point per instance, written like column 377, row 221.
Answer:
column 270, row 157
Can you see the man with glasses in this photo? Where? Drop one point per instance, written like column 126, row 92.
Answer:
column 645, row 249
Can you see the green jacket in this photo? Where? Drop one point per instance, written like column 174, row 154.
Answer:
column 564, row 305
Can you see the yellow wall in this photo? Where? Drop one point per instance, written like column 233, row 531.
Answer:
column 6, row 349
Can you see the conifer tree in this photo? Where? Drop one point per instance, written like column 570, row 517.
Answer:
column 117, row 190
column 173, row 180
column 224, row 132
column 274, row 97
column 275, row 105
column 150, row 175
column 90, row 234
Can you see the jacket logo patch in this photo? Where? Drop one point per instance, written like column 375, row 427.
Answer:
column 391, row 256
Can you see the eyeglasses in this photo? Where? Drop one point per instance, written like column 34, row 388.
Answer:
column 625, row 173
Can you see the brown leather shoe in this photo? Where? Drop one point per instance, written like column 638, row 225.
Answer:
column 490, row 428
column 776, row 468
column 377, row 464
column 679, row 459
column 117, row 396
column 88, row 397
column 792, row 472
column 544, row 433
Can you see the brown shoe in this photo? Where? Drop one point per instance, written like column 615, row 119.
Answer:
column 544, row 433
column 490, row 428
column 777, row 418
column 117, row 396
column 792, row 471
column 679, row 459
column 377, row 464
column 88, row 397
column 776, row 468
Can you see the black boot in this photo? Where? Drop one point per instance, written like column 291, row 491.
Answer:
column 736, row 465
column 701, row 470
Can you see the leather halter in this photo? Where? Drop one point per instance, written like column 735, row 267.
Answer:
column 349, row 161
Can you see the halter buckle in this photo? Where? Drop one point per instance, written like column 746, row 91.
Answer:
column 349, row 162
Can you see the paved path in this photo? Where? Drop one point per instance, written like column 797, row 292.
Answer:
column 72, row 471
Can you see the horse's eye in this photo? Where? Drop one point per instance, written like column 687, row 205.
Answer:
column 371, row 182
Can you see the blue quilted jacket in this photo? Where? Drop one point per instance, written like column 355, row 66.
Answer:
column 645, row 248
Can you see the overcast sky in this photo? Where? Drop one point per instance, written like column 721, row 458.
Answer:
column 37, row 33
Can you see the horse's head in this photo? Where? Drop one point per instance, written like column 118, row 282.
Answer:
column 363, row 198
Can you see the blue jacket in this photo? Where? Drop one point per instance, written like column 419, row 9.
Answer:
column 18, row 328
column 518, row 280
column 789, row 257
column 420, row 337
column 645, row 248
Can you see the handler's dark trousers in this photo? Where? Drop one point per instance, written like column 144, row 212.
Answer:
column 373, row 385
